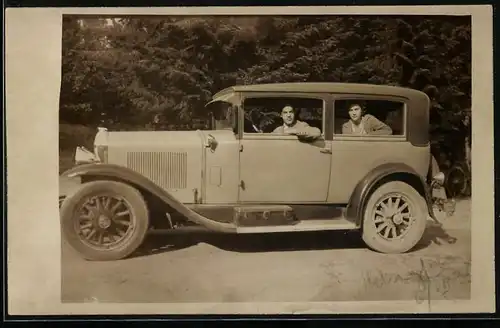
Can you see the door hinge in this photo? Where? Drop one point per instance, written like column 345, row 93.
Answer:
column 241, row 148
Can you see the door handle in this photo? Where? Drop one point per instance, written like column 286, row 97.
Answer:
column 326, row 151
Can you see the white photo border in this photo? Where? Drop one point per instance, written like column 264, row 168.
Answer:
column 33, row 75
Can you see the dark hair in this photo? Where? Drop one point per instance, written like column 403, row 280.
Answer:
column 296, row 111
column 358, row 104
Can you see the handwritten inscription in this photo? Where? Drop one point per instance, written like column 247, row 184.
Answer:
column 434, row 277
column 422, row 278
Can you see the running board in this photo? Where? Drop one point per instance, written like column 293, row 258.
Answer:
column 306, row 225
column 268, row 218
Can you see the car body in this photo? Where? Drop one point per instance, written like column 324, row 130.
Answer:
column 240, row 177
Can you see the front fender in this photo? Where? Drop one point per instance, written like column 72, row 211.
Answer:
column 129, row 176
column 381, row 174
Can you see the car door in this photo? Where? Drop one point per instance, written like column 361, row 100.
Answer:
column 356, row 155
column 277, row 168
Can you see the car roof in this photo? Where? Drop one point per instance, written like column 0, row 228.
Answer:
column 324, row 87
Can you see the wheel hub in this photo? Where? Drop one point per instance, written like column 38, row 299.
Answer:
column 393, row 216
column 103, row 221
column 397, row 219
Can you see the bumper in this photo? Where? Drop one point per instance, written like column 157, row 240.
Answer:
column 440, row 199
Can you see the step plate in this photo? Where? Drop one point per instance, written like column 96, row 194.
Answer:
column 308, row 225
column 259, row 216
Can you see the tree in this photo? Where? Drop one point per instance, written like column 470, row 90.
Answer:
column 127, row 73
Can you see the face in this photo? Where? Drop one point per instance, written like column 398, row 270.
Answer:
column 288, row 115
column 355, row 113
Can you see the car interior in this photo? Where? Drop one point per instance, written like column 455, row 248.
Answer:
column 265, row 113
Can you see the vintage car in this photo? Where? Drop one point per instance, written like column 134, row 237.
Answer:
column 250, row 174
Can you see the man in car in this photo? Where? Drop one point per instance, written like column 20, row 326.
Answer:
column 291, row 125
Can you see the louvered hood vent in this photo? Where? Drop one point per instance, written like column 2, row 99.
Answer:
column 167, row 169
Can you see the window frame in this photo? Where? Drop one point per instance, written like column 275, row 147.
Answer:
column 324, row 98
column 369, row 97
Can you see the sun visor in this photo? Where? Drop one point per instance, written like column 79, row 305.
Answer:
column 231, row 98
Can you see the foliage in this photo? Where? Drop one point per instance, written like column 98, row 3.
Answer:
column 74, row 135
column 137, row 73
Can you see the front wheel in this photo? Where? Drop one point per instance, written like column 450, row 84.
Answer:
column 105, row 220
column 395, row 218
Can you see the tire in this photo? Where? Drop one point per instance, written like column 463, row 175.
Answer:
column 417, row 206
column 456, row 181
column 130, row 218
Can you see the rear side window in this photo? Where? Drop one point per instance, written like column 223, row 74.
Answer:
column 378, row 117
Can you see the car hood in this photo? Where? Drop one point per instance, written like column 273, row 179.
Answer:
column 153, row 138
column 162, row 138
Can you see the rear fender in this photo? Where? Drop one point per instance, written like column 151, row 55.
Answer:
column 126, row 175
column 378, row 176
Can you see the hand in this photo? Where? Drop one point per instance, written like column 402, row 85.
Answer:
column 298, row 133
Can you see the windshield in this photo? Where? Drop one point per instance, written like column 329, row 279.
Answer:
column 224, row 116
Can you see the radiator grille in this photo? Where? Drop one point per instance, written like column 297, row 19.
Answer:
column 167, row 169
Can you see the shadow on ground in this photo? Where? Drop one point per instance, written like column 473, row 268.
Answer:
column 435, row 234
column 254, row 243
column 279, row 242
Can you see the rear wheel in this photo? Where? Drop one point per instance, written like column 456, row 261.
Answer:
column 457, row 181
column 395, row 218
column 105, row 220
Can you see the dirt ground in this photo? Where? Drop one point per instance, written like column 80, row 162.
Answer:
column 289, row 267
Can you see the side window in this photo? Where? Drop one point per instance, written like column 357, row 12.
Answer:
column 369, row 117
column 264, row 114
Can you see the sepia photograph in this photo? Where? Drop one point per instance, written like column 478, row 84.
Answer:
column 277, row 134
column 254, row 158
